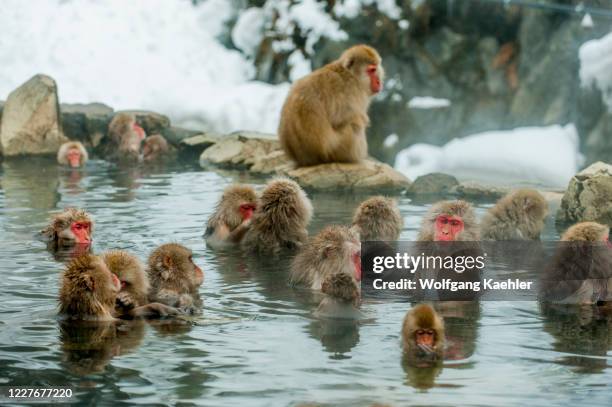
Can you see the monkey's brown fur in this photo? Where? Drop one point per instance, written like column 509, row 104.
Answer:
column 325, row 115
column 87, row 289
column 378, row 218
column 452, row 208
column 422, row 316
column 124, row 143
column 155, row 148
column 62, row 159
column 280, row 220
column 131, row 273
column 326, row 254
column 173, row 276
column 580, row 272
column 227, row 212
column 341, row 287
column 517, row 216
column 62, row 221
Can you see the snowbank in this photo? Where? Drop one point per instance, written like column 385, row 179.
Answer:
column 428, row 102
column 150, row 54
column 546, row 156
column 596, row 66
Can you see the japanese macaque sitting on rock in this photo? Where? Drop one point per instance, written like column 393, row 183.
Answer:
column 581, row 269
column 378, row 218
column 325, row 115
column 89, row 292
column 423, row 336
column 341, row 298
column 174, row 277
column 232, row 217
column 519, row 215
column 72, row 154
column 72, row 226
column 336, row 249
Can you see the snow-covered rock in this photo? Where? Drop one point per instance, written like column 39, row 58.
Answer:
column 546, row 156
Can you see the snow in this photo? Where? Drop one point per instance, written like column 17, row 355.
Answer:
column 427, row 102
column 352, row 8
column 596, row 66
column 546, row 156
column 300, row 66
column 148, row 54
column 248, row 31
column 391, row 140
column 311, row 17
column 587, row 21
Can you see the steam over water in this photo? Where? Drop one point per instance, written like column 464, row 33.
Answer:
column 256, row 343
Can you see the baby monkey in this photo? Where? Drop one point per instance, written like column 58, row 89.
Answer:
column 341, row 298
column 423, row 335
column 174, row 277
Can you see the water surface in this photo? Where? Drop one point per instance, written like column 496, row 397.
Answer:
column 256, row 343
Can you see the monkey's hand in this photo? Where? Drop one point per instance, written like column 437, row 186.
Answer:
column 426, row 348
column 155, row 310
column 124, row 300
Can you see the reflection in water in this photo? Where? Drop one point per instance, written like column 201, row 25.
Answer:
column 337, row 336
column 582, row 333
column 89, row 346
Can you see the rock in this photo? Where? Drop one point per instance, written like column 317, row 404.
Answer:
column 151, row 122
column 588, row 196
column 368, row 175
column 176, row 136
column 87, row 123
column 240, row 150
column 433, row 184
column 476, row 192
column 276, row 161
column 30, row 119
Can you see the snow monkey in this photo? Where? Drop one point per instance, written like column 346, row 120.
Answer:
column 132, row 276
column 341, row 297
column 378, row 218
column 336, row 249
column 72, row 226
column 174, row 277
column 73, row 154
column 423, row 334
column 89, row 291
column 519, row 215
column 581, row 270
column 280, row 220
column 155, row 148
column 125, row 137
column 325, row 115
column 449, row 221
column 232, row 216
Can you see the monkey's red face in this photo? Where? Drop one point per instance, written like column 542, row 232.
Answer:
column 74, row 157
column 375, row 81
column 425, row 337
column 356, row 258
column 246, row 210
column 139, row 131
column 448, row 228
column 81, row 231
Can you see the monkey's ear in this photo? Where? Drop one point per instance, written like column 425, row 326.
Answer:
column 167, row 262
column 527, row 204
column 348, row 63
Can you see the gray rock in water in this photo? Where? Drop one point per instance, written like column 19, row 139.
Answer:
column 30, row 119
column 473, row 191
column 588, row 196
column 240, row 150
column 367, row 175
column 433, row 184
column 87, row 123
